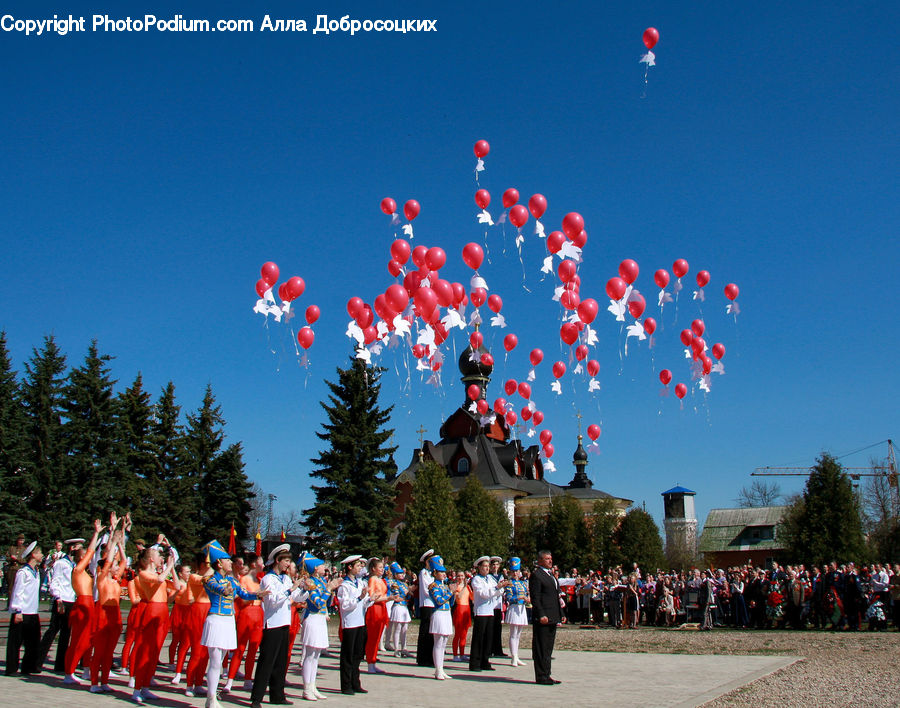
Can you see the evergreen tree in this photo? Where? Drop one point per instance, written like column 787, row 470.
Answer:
column 484, row 527
column 603, row 553
column 92, row 481
column 567, row 534
column 46, row 491
column 227, row 494
column 639, row 541
column 824, row 524
column 173, row 509
column 203, row 441
column 139, row 480
column 431, row 520
column 13, row 491
column 354, row 504
column 531, row 537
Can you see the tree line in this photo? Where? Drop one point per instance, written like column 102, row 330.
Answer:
column 72, row 448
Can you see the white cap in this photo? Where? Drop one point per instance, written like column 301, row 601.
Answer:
column 481, row 560
column 73, row 541
column 351, row 559
column 496, row 559
column 29, row 549
column 426, row 555
column 283, row 548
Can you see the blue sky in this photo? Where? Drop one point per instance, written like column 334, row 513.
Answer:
column 146, row 177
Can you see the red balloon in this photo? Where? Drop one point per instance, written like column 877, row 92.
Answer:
column 649, row 325
column 388, row 206
column 495, row 303
column 718, row 350
column 365, row 317
column 573, row 224
column 435, row 365
column 537, row 205
column 698, row 328
column 568, row 333
column 418, row 256
column 707, row 364
column 444, row 292
column 526, row 413
column 418, row 350
column 282, row 293
column 555, row 241
column 536, row 357
column 459, row 293
column 312, row 314
column 698, row 346
column 593, row 367
column 581, row 352
column 435, row 258
column 482, row 148
column 680, row 268
column 411, row 209
column 665, row 376
column 511, row 418
column 686, row 337
column 559, row 369
column 569, row 299
column 703, row 278
column 580, row 239
column 628, row 270
column 355, row 305
column 548, row 450
column 510, row 341
column 615, row 288
column 483, row 198
column 370, row 334
column 500, row 406
column 294, row 287
column 587, row 310
column 261, row 287
column 425, row 300
column 510, row 197
column 636, row 305
column 537, row 417
column 593, row 431
column 482, row 406
column 472, row 255
column 545, row 437
column 732, row 291
column 680, row 390
column 478, row 296
column 306, row 337
column 524, row 389
column 487, row 359
column 474, row 391
column 269, row 273
column 566, row 270
column 397, row 297
column 661, row 277
column 476, row 339
column 651, row 37
column 400, row 250
column 518, row 216
column 510, row 387
column 394, row 267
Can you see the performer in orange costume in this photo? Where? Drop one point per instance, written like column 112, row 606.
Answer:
column 109, row 617
column 196, row 670
column 151, row 585
column 462, row 616
column 81, row 618
column 180, row 620
column 133, row 626
column 249, row 623
column 376, row 615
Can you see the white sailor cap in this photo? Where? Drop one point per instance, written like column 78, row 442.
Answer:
column 278, row 550
column 482, row 559
column 29, row 549
column 351, row 559
column 426, row 555
column 73, row 541
column 496, row 559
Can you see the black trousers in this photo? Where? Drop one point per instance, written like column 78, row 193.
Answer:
column 482, row 636
column 542, row 641
column 425, row 642
column 271, row 665
column 353, row 649
column 59, row 624
column 497, row 634
column 27, row 632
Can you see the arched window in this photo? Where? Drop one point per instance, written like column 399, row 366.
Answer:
column 462, row 465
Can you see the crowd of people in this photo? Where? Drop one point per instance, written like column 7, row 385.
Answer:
column 227, row 610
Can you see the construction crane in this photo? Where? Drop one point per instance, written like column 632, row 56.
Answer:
column 889, row 470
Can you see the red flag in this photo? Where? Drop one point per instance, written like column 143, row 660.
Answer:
column 258, row 540
column 283, row 537
column 232, row 541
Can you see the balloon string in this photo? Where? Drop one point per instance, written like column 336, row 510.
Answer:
column 504, row 238
column 522, row 263
column 487, row 249
column 621, row 358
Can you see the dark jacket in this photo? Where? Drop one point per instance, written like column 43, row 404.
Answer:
column 544, row 593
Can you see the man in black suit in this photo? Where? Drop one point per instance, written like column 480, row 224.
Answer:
column 546, row 614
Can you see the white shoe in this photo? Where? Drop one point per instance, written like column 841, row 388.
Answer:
column 439, row 676
column 189, row 692
column 521, row 663
column 72, row 679
column 148, row 696
column 248, row 685
column 96, row 689
column 398, row 654
column 446, row 675
column 137, row 697
column 227, row 687
column 176, row 679
column 309, row 696
column 114, row 673
column 131, row 682
column 317, row 694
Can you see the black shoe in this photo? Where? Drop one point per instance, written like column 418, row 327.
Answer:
column 256, row 704
column 555, row 680
column 545, row 682
column 282, row 702
column 345, row 691
column 360, row 689
column 489, row 668
column 474, row 669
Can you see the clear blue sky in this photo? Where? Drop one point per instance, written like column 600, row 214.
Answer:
column 146, row 177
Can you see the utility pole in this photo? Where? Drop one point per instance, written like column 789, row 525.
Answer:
column 272, row 499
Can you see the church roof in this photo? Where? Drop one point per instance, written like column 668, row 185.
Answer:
column 678, row 490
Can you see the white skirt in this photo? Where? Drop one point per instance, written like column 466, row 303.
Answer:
column 388, row 606
column 315, row 631
column 516, row 614
column 400, row 612
column 441, row 622
column 219, row 632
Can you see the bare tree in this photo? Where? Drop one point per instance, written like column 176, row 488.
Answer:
column 258, row 510
column 290, row 521
column 760, row 493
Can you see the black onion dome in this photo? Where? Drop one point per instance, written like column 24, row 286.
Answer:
column 473, row 369
column 580, row 454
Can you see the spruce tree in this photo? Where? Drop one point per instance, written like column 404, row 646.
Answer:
column 354, row 503
column 43, row 396
column 639, row 541
column 227, row 494
column 203, row 441
column 484, row 527
column 531, row 537
column 13, row 491
column 431, row 520
column 603, row 552
column 139, row 480
column 173, row 510
column 567, row 534
column 93, row 481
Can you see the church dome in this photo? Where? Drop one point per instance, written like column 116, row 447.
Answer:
column 580, row 453
column 474, row 369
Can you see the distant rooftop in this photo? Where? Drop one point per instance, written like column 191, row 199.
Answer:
column 678, row 490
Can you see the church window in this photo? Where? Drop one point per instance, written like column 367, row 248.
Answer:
column 462, row 466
